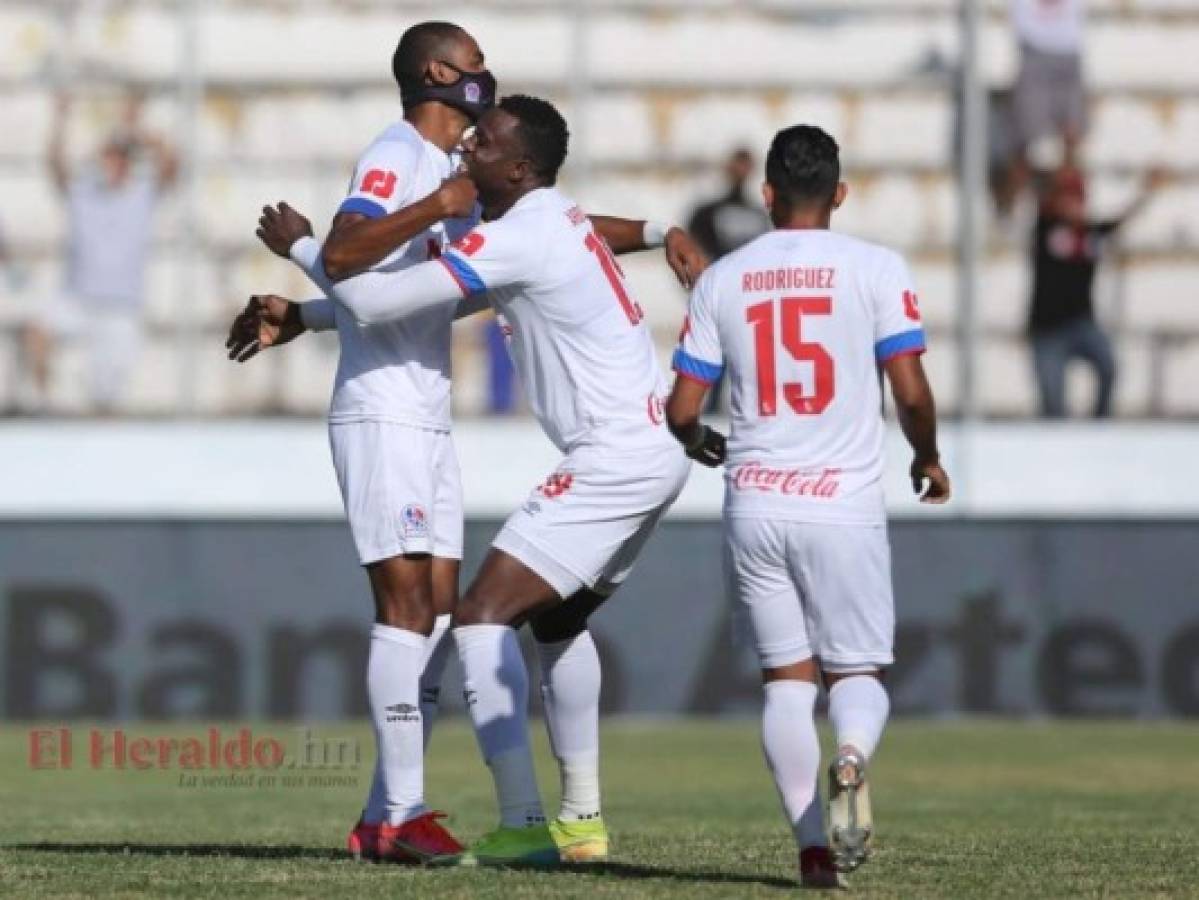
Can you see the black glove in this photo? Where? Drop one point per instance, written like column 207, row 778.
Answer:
column 709, row 448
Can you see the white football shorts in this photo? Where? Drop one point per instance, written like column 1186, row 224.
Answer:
column 803, row 590
column 401, row 487
column 586, row 524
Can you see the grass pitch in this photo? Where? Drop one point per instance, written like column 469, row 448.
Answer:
column 967, row 809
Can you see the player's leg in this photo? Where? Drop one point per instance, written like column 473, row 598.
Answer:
column 768, row 604
column 441, row 644
column 504, row 594
column 384, row 473
column 857, row 710
column 570, row 690
column 447, row 561
column 444, row 585
column 847, row 571
column 581, row 530
column 570, row 665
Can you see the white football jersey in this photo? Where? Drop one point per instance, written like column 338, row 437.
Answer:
column 803, row 319
column 398, row 371
column 575, row 333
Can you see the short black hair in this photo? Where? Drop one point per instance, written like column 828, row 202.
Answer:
column 542, row 132
column 420, row 45
column 803, row 166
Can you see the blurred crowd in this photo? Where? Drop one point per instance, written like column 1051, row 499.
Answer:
column 1039, row 188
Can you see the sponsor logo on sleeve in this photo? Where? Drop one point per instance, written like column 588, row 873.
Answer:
column 378, row 183
column 911, row 306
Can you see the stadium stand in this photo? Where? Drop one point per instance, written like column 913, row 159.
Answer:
column 671, row 87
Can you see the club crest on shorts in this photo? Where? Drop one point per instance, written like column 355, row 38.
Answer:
column 414, row 519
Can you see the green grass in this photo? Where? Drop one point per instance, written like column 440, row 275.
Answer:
column 966, row 809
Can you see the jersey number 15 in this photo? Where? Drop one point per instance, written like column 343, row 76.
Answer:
column 761, row 317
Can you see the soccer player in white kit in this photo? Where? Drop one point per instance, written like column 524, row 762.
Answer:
column 803, row 318
column 389, row 417
column 588, row 367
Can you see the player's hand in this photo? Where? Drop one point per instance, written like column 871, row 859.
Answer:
column 710, row 449
column 280, row 227
column 930, row 471
column 684, row 257
column 267, row 321
column 457, row 197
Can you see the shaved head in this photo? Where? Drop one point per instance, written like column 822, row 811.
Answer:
column 422, row 44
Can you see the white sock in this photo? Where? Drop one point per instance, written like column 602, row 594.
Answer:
column 436, row 654
column 792, row 750
column 570, row 689
column 857, row 709
column 497, row 699
column 393, row 689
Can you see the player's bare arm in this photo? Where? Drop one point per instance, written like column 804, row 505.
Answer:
column 703, row 444
column 267, row 321
column 917, row 414
column 683, row 254
column 356, row 242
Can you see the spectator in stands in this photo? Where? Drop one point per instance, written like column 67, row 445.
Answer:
column 1048, row 99
column 110, row 206
column 1066, row 248
column 725, row 223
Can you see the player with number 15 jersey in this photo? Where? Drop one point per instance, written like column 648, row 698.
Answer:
column 804, row 318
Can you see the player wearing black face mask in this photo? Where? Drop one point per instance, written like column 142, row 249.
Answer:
column 472, row 94
column 396, row 376
column 444, row 87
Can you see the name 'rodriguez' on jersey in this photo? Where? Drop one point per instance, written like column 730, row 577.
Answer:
column 803, row 319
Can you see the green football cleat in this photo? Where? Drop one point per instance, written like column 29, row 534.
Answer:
column 580, row 841
column 531, row 845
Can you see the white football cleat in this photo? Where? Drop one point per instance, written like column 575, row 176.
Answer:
column 850, row 823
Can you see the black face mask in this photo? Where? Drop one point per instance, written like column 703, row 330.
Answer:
column 472, row 94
